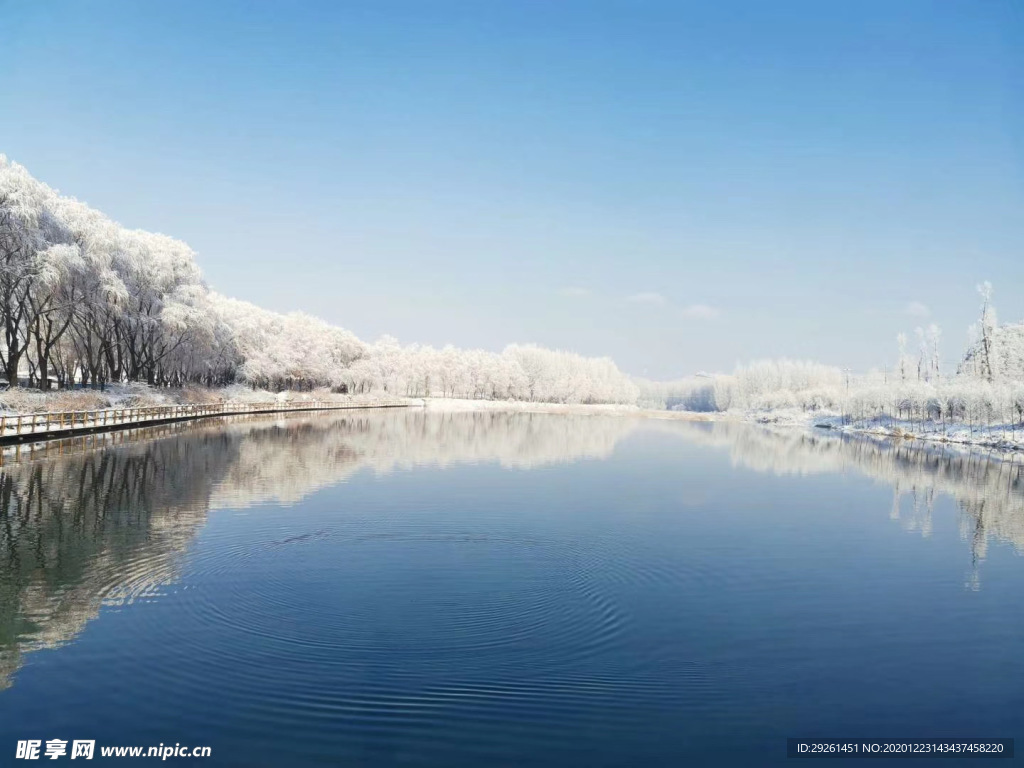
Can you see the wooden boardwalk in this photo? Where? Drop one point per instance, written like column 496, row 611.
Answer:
column 48, row 426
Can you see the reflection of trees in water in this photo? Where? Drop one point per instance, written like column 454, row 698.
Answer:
column 988, row 488
column 285, row 464
column 105, row 519
column 98, row 526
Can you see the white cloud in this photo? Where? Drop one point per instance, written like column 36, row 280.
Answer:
column 702, row 312
column 917, row 309
column 648, row 297
column 574, row 291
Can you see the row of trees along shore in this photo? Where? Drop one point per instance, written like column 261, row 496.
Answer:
column 87, row 302
column 986, row 390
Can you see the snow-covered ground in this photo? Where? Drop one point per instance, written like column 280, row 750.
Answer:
column 1006, row 437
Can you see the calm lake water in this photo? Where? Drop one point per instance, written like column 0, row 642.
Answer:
column 407, row 588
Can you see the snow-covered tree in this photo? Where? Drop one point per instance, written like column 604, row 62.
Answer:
column 987, row 327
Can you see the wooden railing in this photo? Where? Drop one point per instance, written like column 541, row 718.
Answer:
column 108, row 418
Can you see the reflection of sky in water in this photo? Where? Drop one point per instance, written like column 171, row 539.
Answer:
column 677, row 569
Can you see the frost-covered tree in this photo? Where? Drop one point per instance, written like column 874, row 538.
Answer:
column 995, row 352
column 986, row 328
column 932, row 340
column 36, row 253
column 901, row 364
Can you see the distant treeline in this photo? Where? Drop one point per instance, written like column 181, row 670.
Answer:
column 987, row 388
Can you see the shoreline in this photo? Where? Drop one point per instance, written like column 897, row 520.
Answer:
column 1005, row 439
column 461, row 405
column 49, row 426
column 14, row 403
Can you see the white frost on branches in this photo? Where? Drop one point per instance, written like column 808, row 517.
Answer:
column 86, row 301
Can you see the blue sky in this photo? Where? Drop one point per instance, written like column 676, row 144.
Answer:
column 678, row 185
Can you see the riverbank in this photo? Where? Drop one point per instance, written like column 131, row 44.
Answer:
column 1001, row 437
column 19, row 401
column 22, row 401
column 1007, row 437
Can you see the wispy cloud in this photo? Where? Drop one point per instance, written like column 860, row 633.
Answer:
column 702, row 312
column 696, row 311
column 574, row 291
column 648, row 297
column 917, row 309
